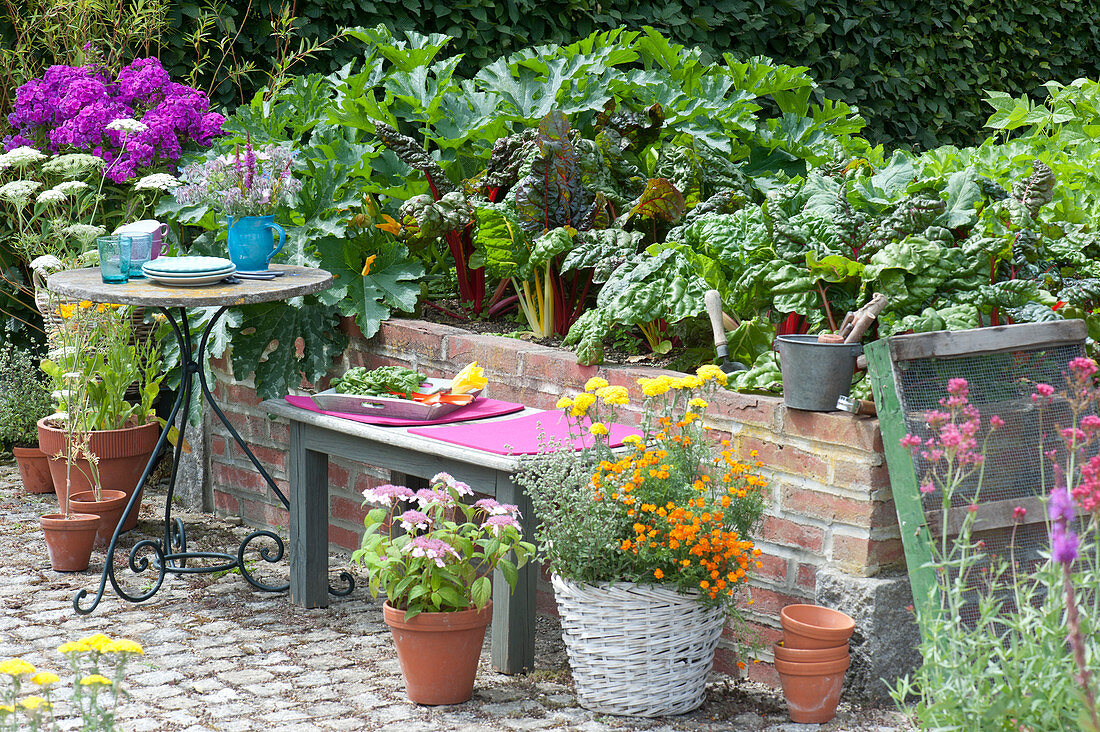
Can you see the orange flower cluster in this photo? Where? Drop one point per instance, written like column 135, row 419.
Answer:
column 684, row 521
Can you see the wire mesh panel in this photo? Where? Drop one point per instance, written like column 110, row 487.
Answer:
column 1001, row 365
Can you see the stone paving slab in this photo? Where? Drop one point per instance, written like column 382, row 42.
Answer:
column 220, row 655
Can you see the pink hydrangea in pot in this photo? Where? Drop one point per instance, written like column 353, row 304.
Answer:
column 430, row 553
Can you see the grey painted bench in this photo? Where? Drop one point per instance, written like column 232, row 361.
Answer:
column 314, row 437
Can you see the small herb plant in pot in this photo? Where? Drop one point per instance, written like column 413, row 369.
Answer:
column 431, row 553
column 98, row 439
column 24, row 399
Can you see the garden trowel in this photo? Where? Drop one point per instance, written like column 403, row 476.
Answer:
column 714, row 310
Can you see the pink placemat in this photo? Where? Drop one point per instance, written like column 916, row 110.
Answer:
column 479, row 409
column 519, row 436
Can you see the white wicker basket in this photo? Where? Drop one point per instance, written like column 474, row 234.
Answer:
column 637, row 650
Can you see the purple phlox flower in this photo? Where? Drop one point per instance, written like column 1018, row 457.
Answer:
column 435, row 549
column 413, row 519
column 1060, row 508
column 1063, row 545
column 995, row 422
column 498, row 522
column 386, row 494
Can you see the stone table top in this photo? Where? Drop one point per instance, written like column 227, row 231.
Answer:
column 87, row 284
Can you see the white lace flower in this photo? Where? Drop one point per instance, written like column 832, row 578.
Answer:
column 125, row 124
column 21, row 157
column 68, row 187
column 19, row 192
column 72, row 165
column 50, row 196
column 86, row 233
column 157, row 182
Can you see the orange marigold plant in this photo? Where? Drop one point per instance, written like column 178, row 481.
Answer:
column 671, row 507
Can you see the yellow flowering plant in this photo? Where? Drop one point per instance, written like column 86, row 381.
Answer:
column 98, row 664
column 668, row 508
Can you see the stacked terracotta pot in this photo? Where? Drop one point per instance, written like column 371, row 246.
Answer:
column 812, row 659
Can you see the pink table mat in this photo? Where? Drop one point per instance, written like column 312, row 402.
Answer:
column 479, row 409
column 519, row 436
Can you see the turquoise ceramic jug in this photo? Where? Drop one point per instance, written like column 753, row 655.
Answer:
column 251, row 242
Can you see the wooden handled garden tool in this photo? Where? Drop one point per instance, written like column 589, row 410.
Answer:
column 714, row 311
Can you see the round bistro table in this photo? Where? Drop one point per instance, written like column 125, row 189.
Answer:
column 170, row 554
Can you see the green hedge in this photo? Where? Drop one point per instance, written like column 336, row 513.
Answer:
column 917, row 73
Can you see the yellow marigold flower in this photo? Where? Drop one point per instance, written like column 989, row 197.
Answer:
column 123, row 645
column 45, row 678
column 658, row 574
column 598, row 428
column 35, row 702
column 632, row 440
column 615, row 395
column 15, row 667
column 93, row 679
column 595, row 383
column 564, row 403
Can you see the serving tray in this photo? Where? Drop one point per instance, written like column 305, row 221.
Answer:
column 390, row 406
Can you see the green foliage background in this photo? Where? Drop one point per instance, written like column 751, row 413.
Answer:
column 916, row 70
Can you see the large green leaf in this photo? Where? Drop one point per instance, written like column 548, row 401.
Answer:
column 659, row 200
column 267, row 344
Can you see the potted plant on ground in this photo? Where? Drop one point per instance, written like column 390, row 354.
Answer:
column 647, row 546
column 24, row 399
column 432, row 561
column 98, row 439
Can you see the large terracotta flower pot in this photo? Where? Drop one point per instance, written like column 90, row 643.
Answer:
column 813, row 626
column 122, row 455
column 69, row 540
column 109, row 508
column 812, row 689
column 34, row 469
column 810, row 655
column 438, row 652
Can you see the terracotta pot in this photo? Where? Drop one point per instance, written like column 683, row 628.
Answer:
column 34, row 469
column 813, row 626
column 123, row 455
column 812, row 689
column 438, row 652
column 69, row 540
column 809, row 655
column 109, row 509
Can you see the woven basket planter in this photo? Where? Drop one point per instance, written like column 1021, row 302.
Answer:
column 637, row 650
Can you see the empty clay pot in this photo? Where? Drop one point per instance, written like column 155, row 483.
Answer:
column 812, row 689
column 809, row 655
column 813, row 626
column 109, row 509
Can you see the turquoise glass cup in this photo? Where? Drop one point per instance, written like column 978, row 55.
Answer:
column 141, row 251
column 114, row 258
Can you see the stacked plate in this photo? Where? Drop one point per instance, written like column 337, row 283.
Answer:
column 188, row 271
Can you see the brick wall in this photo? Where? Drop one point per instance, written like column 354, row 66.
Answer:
column 830, row 496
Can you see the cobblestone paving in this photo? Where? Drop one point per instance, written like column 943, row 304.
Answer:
column 221, row 656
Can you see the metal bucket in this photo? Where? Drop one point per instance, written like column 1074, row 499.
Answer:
column 815, row 374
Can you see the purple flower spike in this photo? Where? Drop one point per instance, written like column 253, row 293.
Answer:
column 1061, row 509
column 1063, row 545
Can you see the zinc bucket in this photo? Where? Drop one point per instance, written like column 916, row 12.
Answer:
column 815, row 374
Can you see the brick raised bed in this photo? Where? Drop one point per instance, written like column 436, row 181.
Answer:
column 831, row 516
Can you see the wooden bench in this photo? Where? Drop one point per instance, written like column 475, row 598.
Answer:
column 314, row 437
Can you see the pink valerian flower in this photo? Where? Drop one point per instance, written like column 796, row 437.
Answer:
column 927, row 487
column 413, row 519
column 1087, row 490
column 448, row 480
column 1090, row 423
column 995, row 422
column 435, row 549
column 497, row 523
column 1019, row 514
column 386, row 494
column 1042, row 393
column 911, row 443
column 1082, row 367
